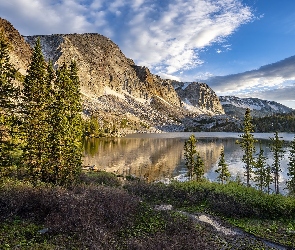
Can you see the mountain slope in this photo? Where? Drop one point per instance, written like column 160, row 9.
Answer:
column 235, row 106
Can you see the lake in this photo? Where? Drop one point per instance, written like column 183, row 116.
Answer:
column 157, row 157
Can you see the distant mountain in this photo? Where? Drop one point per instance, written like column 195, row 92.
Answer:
column 113, row 87
column 235, row 106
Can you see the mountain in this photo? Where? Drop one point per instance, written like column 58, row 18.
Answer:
column 114, row 89
column 198, row 97
column 235, row 106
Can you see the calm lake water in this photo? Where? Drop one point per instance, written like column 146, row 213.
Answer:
column 160, row 156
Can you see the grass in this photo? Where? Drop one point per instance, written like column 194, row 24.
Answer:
column 100, row 214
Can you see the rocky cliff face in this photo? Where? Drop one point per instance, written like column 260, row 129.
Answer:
column 235, row 106
column 198, row 97
column 21, row 51
column 113, row 87
column 103, row 66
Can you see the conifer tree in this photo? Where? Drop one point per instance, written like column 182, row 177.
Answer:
column 35, row 107
column 8, row 95
column 189, row 153
column 291, row 169
column 247, row 144
column 198, row 167
column 193, row 160
column 260, row 171
column 276, row 147
column 65, row 139
column 223, row 172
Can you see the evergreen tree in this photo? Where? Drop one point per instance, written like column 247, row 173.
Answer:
column 193, row 161
column 268, row 178
column 277, row 148
column 291, row 169
column 189, row 153
column 66, row 137
column 260, row 171
column 198, row 167
column 223, row 172
column 8, row 95
column 35, row 107
column 247, row 144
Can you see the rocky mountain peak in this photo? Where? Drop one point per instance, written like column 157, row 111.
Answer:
column 199, row 96
column 21, row 51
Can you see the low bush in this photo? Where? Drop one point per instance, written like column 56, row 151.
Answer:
column 100, row 178
column 232, row 200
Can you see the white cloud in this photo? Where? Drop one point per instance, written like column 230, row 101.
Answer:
column 270, row 82
column 163, row 35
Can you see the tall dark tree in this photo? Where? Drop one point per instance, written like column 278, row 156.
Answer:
column 247, row 144
column 189, row 154
column 198, row 167
column 65, row 138
column 291, row 169
column 276, row 147
column 223, row 171
column 193, row 160
column 8, row 96
column 35, row 107
column 260, row 170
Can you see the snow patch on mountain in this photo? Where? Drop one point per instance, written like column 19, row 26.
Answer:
column 236, row 106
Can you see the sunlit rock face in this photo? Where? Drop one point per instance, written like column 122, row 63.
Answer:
column 198, row 97
column 113, row 87
column 20, row 53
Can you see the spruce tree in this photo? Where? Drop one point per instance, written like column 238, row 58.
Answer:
column 189, row 153
column 291, row 169
column 35, row 107
column 66, row 137
column 260, row 171
column 276, row 147
column 223, row 172
column 8, row 96
column 198, row 167
column 193, row 160
column 247, row 144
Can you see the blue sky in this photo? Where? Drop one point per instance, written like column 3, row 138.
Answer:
column 239, row 47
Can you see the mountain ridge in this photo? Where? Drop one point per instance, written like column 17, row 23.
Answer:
column 236, row 106
column 115, row 89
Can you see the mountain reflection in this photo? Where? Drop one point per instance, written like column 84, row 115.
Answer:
column 149, row 158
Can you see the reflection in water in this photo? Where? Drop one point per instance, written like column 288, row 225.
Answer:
column 155, row 158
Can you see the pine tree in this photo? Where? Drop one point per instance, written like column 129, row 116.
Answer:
column 189, row 153
column 8, row 95
column 66, row 137
column 260, row 171
column 198, row 167
column 247, row 144
column 291, row 169
column 35, row 107
column 223, row 172
column 193, row 160
column 277, row 148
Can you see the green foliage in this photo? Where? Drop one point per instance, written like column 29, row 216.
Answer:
column 8, row 119
column 223, row 171
column 35, row 107
column 275, row 230
column 276, row 122
column 193, row 161
column 291, row 169
column 262, row 172
column 52, row 122
column 276, row 147
column 247, row 144
column 100, row 178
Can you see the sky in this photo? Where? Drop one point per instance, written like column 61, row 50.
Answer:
column 243, row 48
